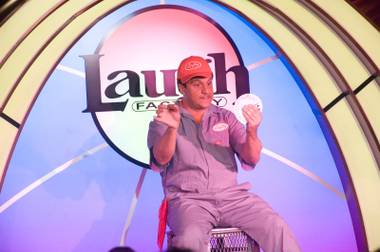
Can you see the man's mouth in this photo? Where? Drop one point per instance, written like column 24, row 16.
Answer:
column 205, row 97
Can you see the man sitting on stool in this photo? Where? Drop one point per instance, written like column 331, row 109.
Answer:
column 193, row 145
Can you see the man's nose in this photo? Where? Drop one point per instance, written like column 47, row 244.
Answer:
column 206, row 89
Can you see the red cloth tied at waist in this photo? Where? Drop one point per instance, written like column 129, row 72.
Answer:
column 162, row 215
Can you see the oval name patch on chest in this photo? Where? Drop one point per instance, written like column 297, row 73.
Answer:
column 220, row 127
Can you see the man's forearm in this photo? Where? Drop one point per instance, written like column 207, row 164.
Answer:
column 252, row 148
column 164, row 148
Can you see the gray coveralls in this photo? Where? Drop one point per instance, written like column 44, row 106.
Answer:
column 200, row 183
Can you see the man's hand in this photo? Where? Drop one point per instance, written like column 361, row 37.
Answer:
column 252, row 146
column 169, row 115
column 253, row 116
column 164, row 148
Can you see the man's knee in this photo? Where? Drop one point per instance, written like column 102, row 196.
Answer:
column 275, row 224
column 271, row 225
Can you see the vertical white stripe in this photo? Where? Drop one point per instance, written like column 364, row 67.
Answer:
column 132, row 207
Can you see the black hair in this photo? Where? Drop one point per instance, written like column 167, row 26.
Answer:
column 122, row 249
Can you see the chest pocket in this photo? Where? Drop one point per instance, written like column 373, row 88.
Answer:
column 218, row 145
column 218, row 134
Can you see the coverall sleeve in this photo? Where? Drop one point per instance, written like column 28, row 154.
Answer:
column 155, row 132
column 238, row 136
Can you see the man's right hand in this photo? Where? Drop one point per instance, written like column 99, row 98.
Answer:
column 169, row 115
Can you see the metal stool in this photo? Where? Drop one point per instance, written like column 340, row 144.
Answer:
column 227, row 239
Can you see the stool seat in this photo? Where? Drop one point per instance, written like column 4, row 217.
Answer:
column 227, row 239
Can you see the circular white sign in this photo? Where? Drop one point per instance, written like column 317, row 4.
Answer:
column 243, row 100
column 138, row 72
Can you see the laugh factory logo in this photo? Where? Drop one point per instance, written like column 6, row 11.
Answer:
column 133, row 70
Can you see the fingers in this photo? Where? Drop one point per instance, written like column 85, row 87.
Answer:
column 252, row 114
column 158, row 118
column 173, row 107
column 161, row 108
column 166, row 112
column 167, row 107
column 249, row 117
column 251, row 107
column 164, row 106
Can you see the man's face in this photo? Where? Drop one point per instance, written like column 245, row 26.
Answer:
column 198, row 92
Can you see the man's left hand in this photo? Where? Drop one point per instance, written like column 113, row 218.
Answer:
column 253, row 116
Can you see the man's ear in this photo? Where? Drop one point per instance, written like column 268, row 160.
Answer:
column 181, row 88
